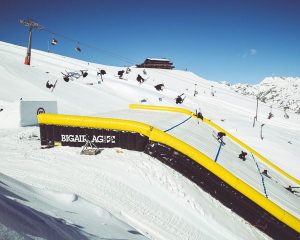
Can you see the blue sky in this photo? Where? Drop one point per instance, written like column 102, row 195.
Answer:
column 222, row 40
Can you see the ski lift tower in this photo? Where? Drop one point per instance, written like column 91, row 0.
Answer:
column 31, row 25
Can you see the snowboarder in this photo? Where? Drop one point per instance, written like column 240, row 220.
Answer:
column 84, row 73
column 199, row 115
column 159, row 87
column 243, row 156
column 140, row 79
column 128, row 70
column 270, row 115
column 101, row 73
column 290, row 188
column 120, row 73
column 220, row 136
column 144, row 71
column 49, row 85
column 179, row 99
column 1, row 109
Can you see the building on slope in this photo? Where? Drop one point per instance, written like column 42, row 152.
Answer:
column 161, row 63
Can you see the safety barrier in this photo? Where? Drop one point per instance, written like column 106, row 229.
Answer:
column 217, row 127
column 199, row 168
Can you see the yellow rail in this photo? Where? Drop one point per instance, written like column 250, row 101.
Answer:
column 162, row 137
column 217, row 127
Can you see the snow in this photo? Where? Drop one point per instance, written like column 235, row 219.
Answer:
column 159, row 59
column 124, row 194
column 282, row 92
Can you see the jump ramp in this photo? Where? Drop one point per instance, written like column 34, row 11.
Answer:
column 234, row 193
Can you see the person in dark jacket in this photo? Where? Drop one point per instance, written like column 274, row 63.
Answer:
column 159, row 87
column 221, row 135
column 265, row 173
column 49, row 85
column 290, row 188
column 243, row 156
column 179, row 99
column 140, row 79
column 120, row 73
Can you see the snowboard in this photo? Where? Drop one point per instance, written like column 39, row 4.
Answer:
column 54, row 85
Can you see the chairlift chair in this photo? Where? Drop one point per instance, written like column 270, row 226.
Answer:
column 54, row 42
column 78, row 49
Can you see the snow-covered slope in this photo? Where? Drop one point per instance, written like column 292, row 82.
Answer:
column 27, row 213
column 283, row 92
column 155, row 200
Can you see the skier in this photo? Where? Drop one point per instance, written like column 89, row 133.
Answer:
column 221, row 135
column 290, row 188
column 140, row 79
column 120, row 73
column 1, row 109
column 243, row 156
column 265, row 173
column 159, row 87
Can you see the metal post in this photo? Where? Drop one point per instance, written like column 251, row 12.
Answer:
column 255, row 118
column 28, row 54
column 256, row 108
column 31, row 25
column 261, row 131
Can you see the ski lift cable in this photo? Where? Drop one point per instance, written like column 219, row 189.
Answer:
column 119, row 57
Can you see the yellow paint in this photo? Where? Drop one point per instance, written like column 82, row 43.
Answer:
column 217, row 127
column 157, row 135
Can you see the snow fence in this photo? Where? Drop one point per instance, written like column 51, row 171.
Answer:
column 67, row 130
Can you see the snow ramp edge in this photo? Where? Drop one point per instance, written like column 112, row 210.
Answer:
column 217, row 127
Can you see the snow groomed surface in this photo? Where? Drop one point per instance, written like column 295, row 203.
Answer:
column 210, row 176
column 215, row 126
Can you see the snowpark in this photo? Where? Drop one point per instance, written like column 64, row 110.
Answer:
column 134, row 195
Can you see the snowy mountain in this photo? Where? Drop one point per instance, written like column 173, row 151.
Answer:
column 283, row 92
column 122, row 194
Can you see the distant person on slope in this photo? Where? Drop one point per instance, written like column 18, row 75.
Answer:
column 120, row 73
column 265, row 173
column 243, row 156
column 290, row 189
column 221, row 135
column 49, row 85
column 199, row 115
column 179, row 99
column 140, row 79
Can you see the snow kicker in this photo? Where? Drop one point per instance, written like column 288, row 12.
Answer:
column 67, row 130
column 215, row 126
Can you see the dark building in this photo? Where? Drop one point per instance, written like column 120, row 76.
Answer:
column 161, row 63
